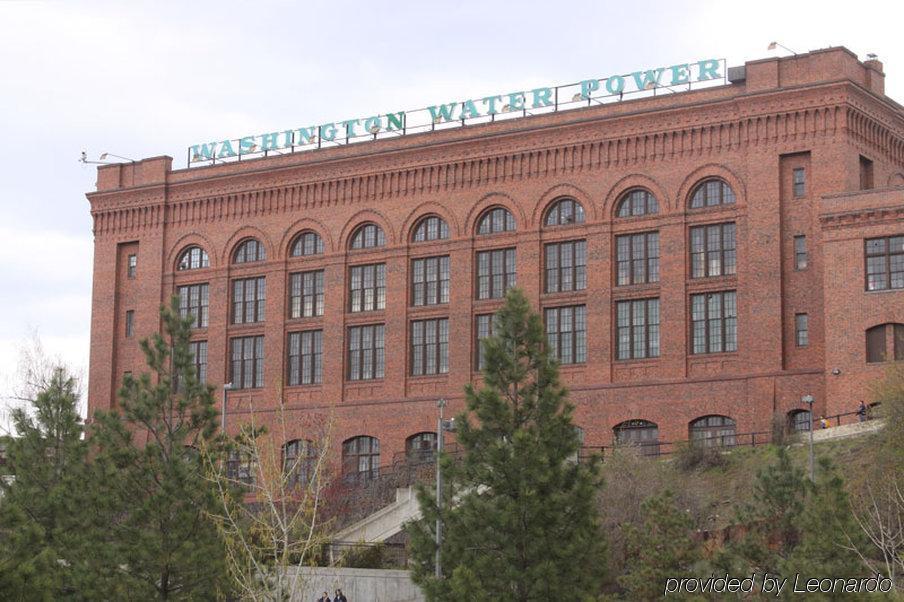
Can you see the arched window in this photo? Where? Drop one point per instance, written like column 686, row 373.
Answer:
column 496, row 220
column 361, row 457
column 368, row 236
column 711, row 193
column 307, row 243
column 565, row 212
column 249, row 250
column 636, row 202
column 878, row 346
column 642, row 434
column 713, row 431
column 799, row 421
column 193, row 258
column 299, row 462
column 431, row 227
column 421, row 447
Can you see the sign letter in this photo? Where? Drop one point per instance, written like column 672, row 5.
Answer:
column 709, row 69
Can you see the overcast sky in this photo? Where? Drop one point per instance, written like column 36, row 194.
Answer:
column 140, row 79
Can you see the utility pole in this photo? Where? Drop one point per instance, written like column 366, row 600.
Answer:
column 808, row 399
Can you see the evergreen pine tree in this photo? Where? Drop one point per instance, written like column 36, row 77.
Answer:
column 661, row 547
column 42, row 509
column 520, row 514
column 147, row 462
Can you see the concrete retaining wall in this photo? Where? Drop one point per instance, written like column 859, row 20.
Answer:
column 359, row 585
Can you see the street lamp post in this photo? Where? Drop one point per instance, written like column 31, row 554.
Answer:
column 226, row 388
column 808, row 399
column 442, row 425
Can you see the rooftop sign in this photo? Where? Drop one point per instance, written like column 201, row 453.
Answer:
column 513, row 105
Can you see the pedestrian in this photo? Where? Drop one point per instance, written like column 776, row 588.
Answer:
column 823, row 423
column 324, row 598
column 339, row 597
column 861, row 411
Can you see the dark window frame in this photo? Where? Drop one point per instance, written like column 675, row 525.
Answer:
column 566, row 333
column 801, row 257
column 304, row 358
column 801, row 329
column 799, row 182
column 430, row 228
column 712, row 189
column 428, row 348
column 245, row 308
column 367, row 236
column 250, row 250
column 425, row 291
column 713, row 430
column 246, row 362
column 713, row 251
column 643, row 434
column 194, row 300
column 640, row 248
column 497, row 283
column 132, row 266
column 728, row 324
column 361, row 296
column 556, row 276
column 555, row 216
column 299, row 461
column 130, row 323
column 496, row 220
column 198, row 350
column 889, row 258
column 636, row 202
column 193, row 258
column 632, row 334
column 306, row 243
column 483, row 328
column 361, row 451
column 306, row 294
column 366, row 363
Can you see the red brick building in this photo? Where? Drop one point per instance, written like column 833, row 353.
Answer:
column 714, row 254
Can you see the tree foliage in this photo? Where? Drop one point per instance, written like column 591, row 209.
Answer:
column 522, row 521
column 148, row 466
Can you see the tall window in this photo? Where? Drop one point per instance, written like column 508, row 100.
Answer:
column 711, row 193
column 484, row 329
column 431, row 227
column 249, row 251
column 642, row 434
column 132, row 266
column 885, row 263
column 299, row 462
column 430, row 280
column 368, row 236
column 496, row 220
column 361, row 457
column 193, row 301
column 565, row 212
column 248, row 298
column 247, row 362
column 566, row 266
column 801, row 330
column 241, row 468
column 365, row 352
column 799, row 176
column 495, row 273
column 799, row 421
column 713, row 251
column 713, row 431
column 421, row 447
column 198, row 351
column 714, row 322
column 637, row 258
column 130, row 323
column 193, row 258
column 367, row 287
column 866, row 173
column 566, row 333
column 800, row 252
column 305, row 357
column 637, row 322
column 637, row 202
column 430, row 346
column 307, row 243
column 306, row 294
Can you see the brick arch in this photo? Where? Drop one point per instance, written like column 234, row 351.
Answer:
column 241, row 234
column 559, row 191
column 896, row 179
column 360, row 218
column 188, row 240
column 423, row 210
column 636, row 181
column 297, row 228
column 704, row 172
column 495, row 199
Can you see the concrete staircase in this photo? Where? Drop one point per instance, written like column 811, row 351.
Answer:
column 384, row 523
